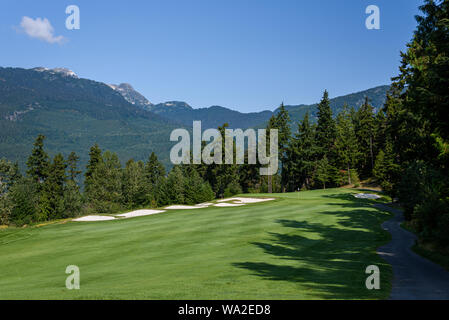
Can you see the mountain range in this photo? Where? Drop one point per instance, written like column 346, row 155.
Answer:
column 75, row 113
column 215, row 116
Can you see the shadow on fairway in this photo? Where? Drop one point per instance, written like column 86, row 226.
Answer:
column 330, row 260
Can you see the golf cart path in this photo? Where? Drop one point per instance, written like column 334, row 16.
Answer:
column 414, row 277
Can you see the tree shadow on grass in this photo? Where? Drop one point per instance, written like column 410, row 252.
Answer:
column 329, row 260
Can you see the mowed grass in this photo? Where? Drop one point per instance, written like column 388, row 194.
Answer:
column 307, row 245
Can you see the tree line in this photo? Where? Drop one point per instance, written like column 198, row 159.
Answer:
column 50, row 190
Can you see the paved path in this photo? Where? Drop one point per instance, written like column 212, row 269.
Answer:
column 414, row 277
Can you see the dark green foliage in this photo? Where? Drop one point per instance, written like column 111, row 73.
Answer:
column 325, row 130
column 364, row 126
column 196, row 190
column 386, row 171
column 136, row 186
column 25, row 199
column 53, row 190
column 72, row 200
column 281, row 122
column 154, row 169
column 232, row 189
column 105, row 185
column 417, row 126
column 95, row 159
column 323, row 172
column 347, row 148
column 38, row 162
column 72, row 164
column 176, row 183
column 302, row 155
column 249, row 177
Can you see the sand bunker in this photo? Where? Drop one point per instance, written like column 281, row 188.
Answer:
column 228, row 204
column 139, row 213
column 181, row 207
column 185, row 207
column 94, row 218
column 205, row 204
column 367, row 196
column 246, row 200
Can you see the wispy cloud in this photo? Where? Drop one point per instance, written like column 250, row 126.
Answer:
column 40, row 29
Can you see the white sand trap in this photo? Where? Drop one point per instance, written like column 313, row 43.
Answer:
column 139, row 213
column 367, row 196
column 246, row 200
column 228, row 204
column 181, row 207
column 205, row 204
column 94, row 218
column 185, row 207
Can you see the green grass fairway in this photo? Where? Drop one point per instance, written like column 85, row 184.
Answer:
column 307, row 245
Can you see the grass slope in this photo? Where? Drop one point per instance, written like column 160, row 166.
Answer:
column 308, row 245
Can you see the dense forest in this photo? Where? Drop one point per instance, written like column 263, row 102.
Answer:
column 404, row 147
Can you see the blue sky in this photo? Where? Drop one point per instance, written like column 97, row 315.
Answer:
column 247, row 55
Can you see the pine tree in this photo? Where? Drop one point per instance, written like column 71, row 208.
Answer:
column 325, row 130
column 72, row 163
column 105, row 184
column 284, row 133
column 325, row 139
column 346, row 142
column 175, row 186
column 135, row 186
column 364, row 129
column 154, row 169
column 323, row 174
column 52, row 197
column 38, row 162
column 95, row 159
column 303, row 154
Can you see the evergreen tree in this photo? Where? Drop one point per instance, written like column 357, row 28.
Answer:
column 95, row 159
column 38, row 161
column 52, row 197
column 416, row 111
column 135, row 184
column 282, row 123
column 105, row 184
column 154, row 169
column 24, row 198
column 364, row 129
column 303, row 154
column 72, row 163
column 386, row 171
column 72, row 200
column 346, row 142
column 175, row 186
column 249, row 177
column 323, row 172
column 326, row 134
column 325, row 130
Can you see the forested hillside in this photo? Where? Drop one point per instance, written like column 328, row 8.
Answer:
column 74, row 114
